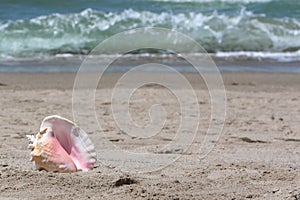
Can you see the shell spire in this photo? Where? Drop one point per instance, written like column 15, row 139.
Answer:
column 61, row 146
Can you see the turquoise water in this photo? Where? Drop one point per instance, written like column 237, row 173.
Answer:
column 228, row 28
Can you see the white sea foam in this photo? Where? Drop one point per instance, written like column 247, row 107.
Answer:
column 276, row 56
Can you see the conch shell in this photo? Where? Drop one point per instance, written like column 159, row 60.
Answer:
column 61, row 146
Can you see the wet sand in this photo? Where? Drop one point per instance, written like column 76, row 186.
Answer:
column 256, row 157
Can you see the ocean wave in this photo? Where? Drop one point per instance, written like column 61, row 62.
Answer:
column 78, row 33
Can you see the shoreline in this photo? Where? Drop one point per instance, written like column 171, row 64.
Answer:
column 122, row 63
column 232, row 80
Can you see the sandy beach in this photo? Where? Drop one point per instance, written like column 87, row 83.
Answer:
column 257, row 155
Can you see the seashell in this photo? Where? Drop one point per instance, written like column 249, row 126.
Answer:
column 61, row 146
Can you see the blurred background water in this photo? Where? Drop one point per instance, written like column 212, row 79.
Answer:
column 228, row 29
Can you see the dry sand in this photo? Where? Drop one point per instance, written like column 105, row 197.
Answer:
column 256, row 157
